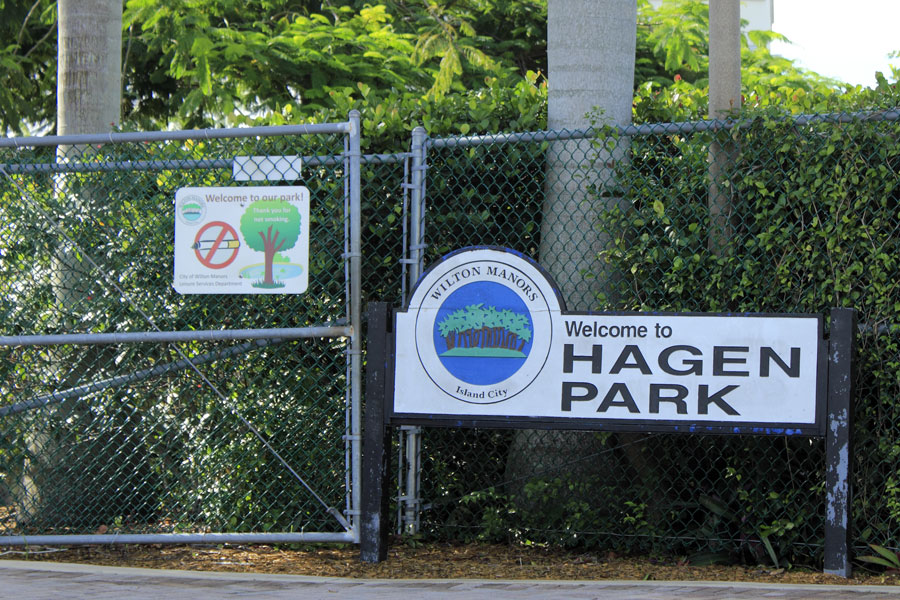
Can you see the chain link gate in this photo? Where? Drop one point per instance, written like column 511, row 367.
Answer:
column 631, row 219
column 130, row 413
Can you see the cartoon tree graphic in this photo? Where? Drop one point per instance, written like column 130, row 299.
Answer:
column 270, row 226
column 520, row 331
column 479, row 327
column 451, row 327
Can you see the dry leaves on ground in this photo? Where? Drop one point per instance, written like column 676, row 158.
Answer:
column 431, row 561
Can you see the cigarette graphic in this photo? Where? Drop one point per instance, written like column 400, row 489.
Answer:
column 208, row 244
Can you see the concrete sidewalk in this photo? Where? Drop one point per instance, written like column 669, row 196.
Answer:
column 28, row 580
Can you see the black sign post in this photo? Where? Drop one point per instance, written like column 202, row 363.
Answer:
column 376, row 462
column 839, row 426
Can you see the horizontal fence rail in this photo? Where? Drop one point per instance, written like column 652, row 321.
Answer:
column 182, row 538
column 131, row 137
column 169, row 165
column 651, row 129
column 143, row 337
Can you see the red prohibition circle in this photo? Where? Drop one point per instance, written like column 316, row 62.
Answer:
column 201, row 245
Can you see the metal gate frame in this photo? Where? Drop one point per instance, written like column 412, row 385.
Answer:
column 351, row 158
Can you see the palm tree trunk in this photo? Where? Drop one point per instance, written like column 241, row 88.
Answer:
column 89, row 97
column 590, row 51
column 89, row 87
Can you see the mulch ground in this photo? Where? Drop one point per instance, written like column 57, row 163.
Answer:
column 430, row 561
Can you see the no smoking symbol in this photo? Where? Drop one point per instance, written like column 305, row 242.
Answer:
column 216, row 245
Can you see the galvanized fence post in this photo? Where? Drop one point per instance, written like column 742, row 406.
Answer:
column 417, row 206
column 355, row 155
column 409, row 497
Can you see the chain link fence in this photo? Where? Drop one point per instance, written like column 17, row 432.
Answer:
column 769, row 214
column 165, row 434
column 765, row 215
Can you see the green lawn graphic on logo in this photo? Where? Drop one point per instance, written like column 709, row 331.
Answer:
column 485, row 332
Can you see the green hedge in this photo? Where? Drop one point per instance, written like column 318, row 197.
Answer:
column 815, row 225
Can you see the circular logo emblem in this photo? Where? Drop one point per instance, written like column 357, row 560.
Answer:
column 191, row 209
column 483, row 328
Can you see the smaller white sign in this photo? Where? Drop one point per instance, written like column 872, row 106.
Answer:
column 266, row 168
column 242, row 240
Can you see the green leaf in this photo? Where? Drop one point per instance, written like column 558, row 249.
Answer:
column 769, row 549
column 716, row 507
column 889, row 555
column 877, row 560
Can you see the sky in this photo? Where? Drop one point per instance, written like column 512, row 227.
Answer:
column 845, row 39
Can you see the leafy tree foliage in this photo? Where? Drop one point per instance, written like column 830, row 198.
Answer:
column 189, row 63
column 672, row 65
column 27, row 62
column 215, row 64
column 219, row 62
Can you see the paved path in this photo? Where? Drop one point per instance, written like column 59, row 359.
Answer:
column 23, row 580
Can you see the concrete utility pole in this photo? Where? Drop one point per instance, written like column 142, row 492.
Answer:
column 724, row 57
column 724, row 99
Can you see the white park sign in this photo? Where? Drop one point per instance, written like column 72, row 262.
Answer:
column 485, row 336
column 242, row 240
